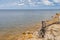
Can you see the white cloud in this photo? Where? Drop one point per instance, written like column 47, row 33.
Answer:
column 56, row 1
column 8, row 4
column 34, row 3
column 42, row 2
column 30, row 3
column 47, row 2
column 29, row 0
column 20, row 4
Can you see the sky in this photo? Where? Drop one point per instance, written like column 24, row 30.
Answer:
column 29, row 4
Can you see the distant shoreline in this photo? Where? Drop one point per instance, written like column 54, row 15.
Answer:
column 29, row 9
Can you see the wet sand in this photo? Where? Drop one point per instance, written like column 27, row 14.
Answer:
column 13, row 33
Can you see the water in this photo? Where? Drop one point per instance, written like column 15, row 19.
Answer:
column 10, row 18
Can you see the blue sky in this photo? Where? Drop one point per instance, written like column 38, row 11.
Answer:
column 29, row 4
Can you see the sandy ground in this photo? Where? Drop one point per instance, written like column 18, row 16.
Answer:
column 52, row 33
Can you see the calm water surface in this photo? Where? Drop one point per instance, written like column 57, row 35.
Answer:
column 12, row 18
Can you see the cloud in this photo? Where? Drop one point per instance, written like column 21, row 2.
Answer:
column 47, row 2
column 42, row 2
column 29, row 0
column 20, row 4
column 13, row 4
column 56, row 1
column 34, row 3
column 8, row 4
column 28, row 3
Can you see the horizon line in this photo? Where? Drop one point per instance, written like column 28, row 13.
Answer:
column 27, row 9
